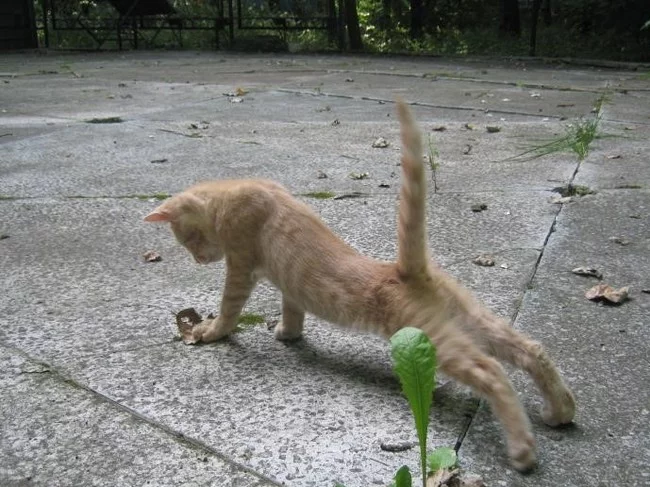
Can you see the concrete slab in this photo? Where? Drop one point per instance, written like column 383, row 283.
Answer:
column 126, row 155
column 601, row 350
column 97, row 320
column 54, row 432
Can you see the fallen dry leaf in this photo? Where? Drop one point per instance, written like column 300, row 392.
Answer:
column 453, row 478
column 469, row 126
column 152, row 256
column 493, row 129
column 240, row 91
column 397, row 446
column 441, row 477
column 236, row 99
column 439, row 128
column 380, row 143
column 620, row 240
column 186, row 319
column 335, row 122
column 321, row 175
column 478, row 207
column 587, row 271
column 358, row 176
column 558, row 200
column 484, row 261
column 614, row 156
column 606, row 293
column 467, row 149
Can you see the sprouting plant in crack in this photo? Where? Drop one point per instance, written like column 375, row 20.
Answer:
column 577, row 138
column 414, row 362
column 434, row 164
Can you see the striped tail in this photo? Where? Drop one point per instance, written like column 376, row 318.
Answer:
column 413, row 255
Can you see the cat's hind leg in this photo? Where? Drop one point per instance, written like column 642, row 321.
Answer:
column 462, row 360
column 290, row 328
column 507, row 344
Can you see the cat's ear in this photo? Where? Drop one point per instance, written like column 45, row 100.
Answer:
column 159, row 215
column 179, row 205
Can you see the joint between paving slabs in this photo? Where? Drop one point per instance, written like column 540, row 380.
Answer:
column 177, row 435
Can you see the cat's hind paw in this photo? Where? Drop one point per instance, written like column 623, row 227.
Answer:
column 522, row 454
column 561, row 411
column 284, row 333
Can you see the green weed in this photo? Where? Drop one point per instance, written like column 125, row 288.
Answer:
column 106, row 120
column 414, row 362
column 577, row 139
column 247, row 320
column 320, row 195
column 433, row 155
column 155, row 196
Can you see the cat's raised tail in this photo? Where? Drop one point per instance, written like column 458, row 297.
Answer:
column 412, row 255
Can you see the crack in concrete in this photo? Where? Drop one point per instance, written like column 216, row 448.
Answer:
column 177, row 435
column 533, row 273
column 419, row 104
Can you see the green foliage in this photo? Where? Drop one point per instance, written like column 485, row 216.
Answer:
column 402, row 478
column 414, row 362
column 442, row 458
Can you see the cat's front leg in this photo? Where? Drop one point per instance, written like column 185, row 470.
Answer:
column 293, row 317
column 239, row 284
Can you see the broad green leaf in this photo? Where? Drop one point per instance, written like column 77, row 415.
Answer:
column 414, row 362
column 402, row 478
column 442, row 458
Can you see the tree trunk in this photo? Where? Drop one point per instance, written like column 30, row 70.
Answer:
column 352, row 23
column 533, row 27
column 417, row 14
column 546, row 12
column 386, row 10
column 510, row 23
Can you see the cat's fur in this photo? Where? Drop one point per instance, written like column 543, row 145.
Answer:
column 263, row 232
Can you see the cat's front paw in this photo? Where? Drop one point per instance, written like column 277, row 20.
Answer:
column 208, row 331
column 285, row 333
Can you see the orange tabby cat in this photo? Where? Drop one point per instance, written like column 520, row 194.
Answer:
column 263, row 232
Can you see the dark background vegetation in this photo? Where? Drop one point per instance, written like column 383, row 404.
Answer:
column 599, row 29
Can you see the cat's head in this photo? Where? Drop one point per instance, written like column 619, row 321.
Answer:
column 192, row 224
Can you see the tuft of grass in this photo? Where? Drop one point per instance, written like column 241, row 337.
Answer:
column 106, row 120
column 573, row 190
column 155, row 196
column 250, row 319
column 629, row 186
column 577, row 139
column 601, row 100
column 433, row 154
column 247, row 320
column 320, row 195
